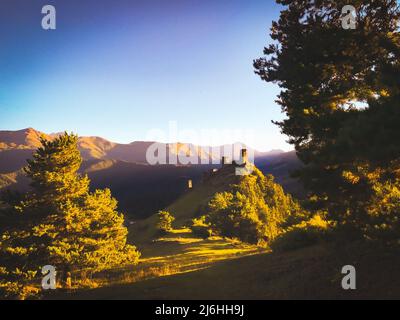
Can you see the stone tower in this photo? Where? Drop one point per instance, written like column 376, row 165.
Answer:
column 223, row 160
column 244, row 158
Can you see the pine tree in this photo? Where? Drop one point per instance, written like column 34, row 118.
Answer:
column 61, row 223
column 340, row 92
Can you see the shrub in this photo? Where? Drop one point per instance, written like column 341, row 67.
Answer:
column 304, row 234
column 165, row 220
column 383, row 211
column 201, row 228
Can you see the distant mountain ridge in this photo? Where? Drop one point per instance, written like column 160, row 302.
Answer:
column 99, row 148
column 141, row 189
column 21, row 139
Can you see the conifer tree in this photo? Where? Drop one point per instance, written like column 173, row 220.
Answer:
column 62, row 223
column 340, row 92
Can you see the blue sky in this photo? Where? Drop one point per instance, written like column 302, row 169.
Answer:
column 120, row 68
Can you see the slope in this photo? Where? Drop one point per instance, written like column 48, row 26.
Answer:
column 308, row 273
column 189, row 205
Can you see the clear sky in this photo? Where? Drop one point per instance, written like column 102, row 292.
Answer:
column 119, row 69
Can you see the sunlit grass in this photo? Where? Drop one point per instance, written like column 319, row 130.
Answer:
column 175, row 253
column 179, row 240
column 180, row 231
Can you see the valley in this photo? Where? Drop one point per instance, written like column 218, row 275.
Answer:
column 140, row 189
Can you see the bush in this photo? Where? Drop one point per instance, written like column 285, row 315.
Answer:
column 304, row 234
column 165, row 220
column 201, row 228
column 382, row 221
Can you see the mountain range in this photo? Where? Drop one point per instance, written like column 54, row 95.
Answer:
column 140, row 188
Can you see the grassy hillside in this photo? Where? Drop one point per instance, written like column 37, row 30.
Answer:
column 308, row 273
column 189, row 205
column 142, row 190
column 178, row 252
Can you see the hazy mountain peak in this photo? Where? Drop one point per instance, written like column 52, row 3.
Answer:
column 27, row 138
column 95, row 147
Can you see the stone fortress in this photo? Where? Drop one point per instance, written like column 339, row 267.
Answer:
column 232, row 167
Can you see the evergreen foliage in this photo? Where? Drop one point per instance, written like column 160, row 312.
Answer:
column 341, row 94
column 61, row 223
